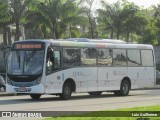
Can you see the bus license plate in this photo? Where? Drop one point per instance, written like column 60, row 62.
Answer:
column 22, row 89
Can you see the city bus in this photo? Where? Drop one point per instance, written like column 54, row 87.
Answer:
column 57, row 67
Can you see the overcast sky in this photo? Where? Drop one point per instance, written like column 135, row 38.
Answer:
column 141, row 3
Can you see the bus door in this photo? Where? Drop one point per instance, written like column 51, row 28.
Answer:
column 88, row 59
column 141, row 68
column 136, row 76
column 134, row 67
column 53, row 76
column 92, row 79
column 104, row 61
column 148, row 68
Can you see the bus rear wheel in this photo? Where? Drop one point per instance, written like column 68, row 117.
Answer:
column 35, row 96
column 124, row 90
column 66, row 92
column 95, row 93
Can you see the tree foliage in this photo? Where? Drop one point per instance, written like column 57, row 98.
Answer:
column 5, row 19
column 69, row 18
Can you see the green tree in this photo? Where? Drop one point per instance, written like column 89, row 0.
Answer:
column 111, row 15
column 149, row 34
column 17, row 10
column 5, row 19
column 73, row 18
column 60, row 16
column 69, row 18
column 88, row 12
column 157, row 21
column 134, row 20
column 51, row 11
column 119, row 18
column 36, row 25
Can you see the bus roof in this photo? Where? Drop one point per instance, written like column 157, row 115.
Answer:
column 53, row 42
column 96, row 40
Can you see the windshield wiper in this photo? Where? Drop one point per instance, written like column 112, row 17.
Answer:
column 18, row 57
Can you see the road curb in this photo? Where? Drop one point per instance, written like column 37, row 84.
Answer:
column 152, row 88
column 7, row 94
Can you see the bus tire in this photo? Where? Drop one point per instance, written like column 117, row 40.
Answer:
column 98, row 93
column 35, row 96
column 66, row 92
column 124, row 90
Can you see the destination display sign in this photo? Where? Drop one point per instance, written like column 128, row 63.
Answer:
column 28, row 46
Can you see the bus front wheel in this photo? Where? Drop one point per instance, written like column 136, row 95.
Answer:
column 124, row 90
column 35, row 96
column 66, row 92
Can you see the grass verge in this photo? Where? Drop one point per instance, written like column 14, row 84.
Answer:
column 144, row 113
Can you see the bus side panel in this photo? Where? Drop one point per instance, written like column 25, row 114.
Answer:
column 141, row 77
column 54, row 83
column 109, row 78
column 136, row 76
column 92, row 78
column 148, row 79
column 85, row 79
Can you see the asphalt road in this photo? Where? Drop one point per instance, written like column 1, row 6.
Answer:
column 80, row 102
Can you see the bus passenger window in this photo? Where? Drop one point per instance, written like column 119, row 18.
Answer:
column 119, row 57
column 104, row 57
column 71, row 57
column 57, row 59
column 134, row 57
column 147, row 58
column 88, row 56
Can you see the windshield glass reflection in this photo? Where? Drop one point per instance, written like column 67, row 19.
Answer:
column 26, row 62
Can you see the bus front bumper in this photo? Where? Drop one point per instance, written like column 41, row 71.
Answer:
column 39, row 89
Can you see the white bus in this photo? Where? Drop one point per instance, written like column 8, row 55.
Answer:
column 37, row 67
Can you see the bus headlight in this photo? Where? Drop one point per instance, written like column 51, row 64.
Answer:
column 38, row 80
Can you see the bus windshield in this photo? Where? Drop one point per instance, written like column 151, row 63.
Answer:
column 26, row 62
